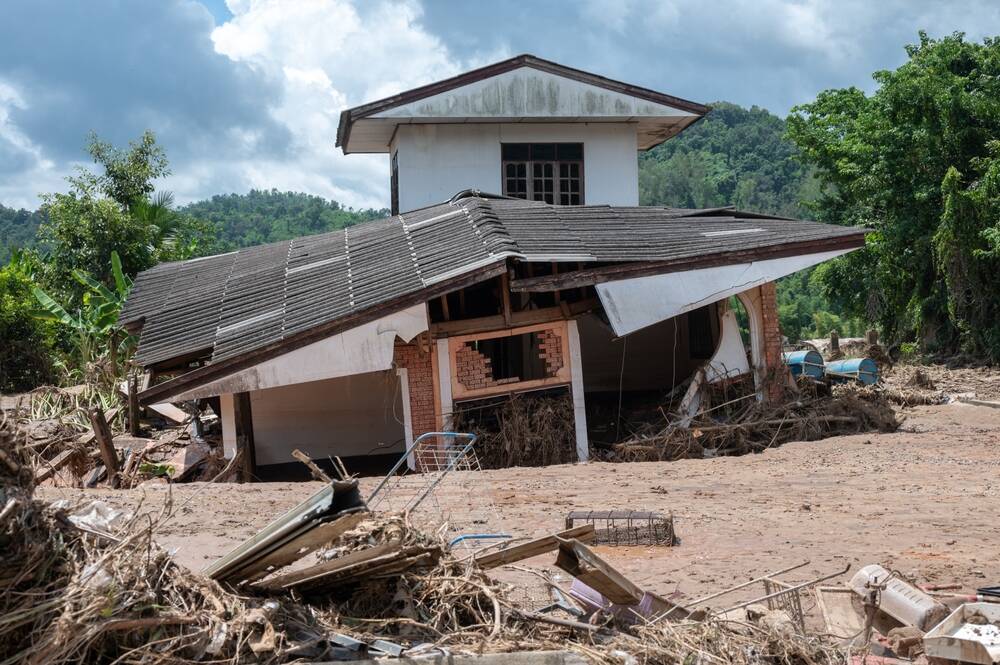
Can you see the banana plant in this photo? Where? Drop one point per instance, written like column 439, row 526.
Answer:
column 96, row 323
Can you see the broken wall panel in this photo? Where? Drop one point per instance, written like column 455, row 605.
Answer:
column 633, row 304
column 510, row 360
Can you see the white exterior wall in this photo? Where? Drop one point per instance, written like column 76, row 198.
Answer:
column 352, row 415
column 437, row 161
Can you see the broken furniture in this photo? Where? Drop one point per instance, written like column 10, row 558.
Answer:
column 626, row 527
column 383, row 560
column 970, row 634
column 313, row 523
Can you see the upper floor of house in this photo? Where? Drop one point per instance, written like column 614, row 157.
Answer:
column 523, row 127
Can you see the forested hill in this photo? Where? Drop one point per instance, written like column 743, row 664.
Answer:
column 261, row 216
column 733, row 156
column 17, row 229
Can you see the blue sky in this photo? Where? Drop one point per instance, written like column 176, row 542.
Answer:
column 247, row 93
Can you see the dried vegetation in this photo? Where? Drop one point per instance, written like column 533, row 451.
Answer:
column 74, row 595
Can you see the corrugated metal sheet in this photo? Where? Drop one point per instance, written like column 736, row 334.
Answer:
column 229, row 304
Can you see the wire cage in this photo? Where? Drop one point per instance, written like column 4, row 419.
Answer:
column 626, row 527
column 783, row 596
column 439, row 483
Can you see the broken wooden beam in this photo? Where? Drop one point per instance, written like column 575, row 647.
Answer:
column 133, row 405
column 317, row 472
column 582, row 563
column 583, row 533
column 102, row 433
column 109, row 415
column 53, row 465
column 386, row 559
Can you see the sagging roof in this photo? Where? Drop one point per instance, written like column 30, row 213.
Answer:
column 524, row 88
column 262, row 299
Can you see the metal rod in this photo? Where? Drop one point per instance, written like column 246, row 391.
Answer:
column 789, row 589
column 409, row 451
column 451, row 465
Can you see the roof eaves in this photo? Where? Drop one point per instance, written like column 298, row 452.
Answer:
column 349, row 116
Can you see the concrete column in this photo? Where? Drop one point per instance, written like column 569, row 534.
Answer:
column 579, row 404
column 228, row 418
column 404, row 387
column 444, row 384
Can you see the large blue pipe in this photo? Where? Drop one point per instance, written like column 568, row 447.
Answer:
column 809, row 363
column 861, row 369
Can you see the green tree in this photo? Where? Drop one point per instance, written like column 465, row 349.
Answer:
column 907, row 162
column 25, row 342
column 114, row 210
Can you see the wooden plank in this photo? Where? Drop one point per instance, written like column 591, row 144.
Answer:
column 133, row 405
column 583, row 533
column 170, row 412
column 102, row 433
column 582, row 563
column 243, row 417
column 53, row 465
column 296, row 549
column 332, row 566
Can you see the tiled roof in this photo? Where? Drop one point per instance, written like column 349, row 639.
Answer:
column 223, row 306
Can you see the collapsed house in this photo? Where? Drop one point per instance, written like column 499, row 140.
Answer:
column 353, row 343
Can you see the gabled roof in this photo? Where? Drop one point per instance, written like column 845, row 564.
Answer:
column 271, row 298
column 522, row 88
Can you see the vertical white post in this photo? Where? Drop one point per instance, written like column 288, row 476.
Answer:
column 444, row 383
column 404, row 385
column 579, row 405
column 228, row 417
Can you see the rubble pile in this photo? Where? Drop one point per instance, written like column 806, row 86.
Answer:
column 60, row 440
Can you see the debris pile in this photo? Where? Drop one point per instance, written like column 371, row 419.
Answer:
column 523, row 429
column 749, row 425
column 66, row 449
column 93, row 591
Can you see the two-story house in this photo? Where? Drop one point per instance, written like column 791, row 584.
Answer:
column 517, row 259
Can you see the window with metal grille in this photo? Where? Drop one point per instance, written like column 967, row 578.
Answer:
column 550, row 172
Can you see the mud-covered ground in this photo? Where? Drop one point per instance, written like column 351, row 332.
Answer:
column 924, row 500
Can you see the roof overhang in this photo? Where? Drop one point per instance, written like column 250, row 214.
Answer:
column 524, row 89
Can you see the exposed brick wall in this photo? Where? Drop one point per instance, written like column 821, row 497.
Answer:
column 773, row 371
column 475, row 371
column 550, row 347
column 420, row 374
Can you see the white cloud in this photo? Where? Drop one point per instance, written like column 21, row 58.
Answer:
column 330, row 55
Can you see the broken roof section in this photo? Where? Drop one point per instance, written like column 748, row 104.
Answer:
column 521, row 89
column 241, row 308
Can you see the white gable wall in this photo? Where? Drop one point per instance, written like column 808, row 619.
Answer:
column 435, row 161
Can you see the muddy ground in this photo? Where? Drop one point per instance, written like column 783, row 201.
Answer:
column 924, row 500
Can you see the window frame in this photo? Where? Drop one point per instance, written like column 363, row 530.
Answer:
column 529, row 168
